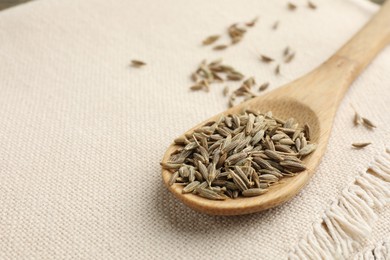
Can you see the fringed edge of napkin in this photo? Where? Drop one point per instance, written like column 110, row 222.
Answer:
column 349, row 218
column 380, row 251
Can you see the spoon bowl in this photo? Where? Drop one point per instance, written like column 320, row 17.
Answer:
column 312, row 99
column 278, row 193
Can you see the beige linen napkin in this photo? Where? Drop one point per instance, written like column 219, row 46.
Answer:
column 82, row 133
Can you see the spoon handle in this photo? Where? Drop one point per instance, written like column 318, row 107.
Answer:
column 369, row 41
column 324, row 88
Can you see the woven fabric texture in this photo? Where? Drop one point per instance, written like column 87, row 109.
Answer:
column 82, row 133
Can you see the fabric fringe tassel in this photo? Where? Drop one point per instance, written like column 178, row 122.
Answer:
column 380, row 252
column 349, row 218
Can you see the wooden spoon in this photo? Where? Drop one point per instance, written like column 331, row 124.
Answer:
column 313, row 98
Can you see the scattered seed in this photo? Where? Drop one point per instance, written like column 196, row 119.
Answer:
column 194, row 77
column 197, row 87
column 249, row 83
column 216, row 62
column 209, row 73
column 286, row 51
column 277, row 70
column 137, row 63
column 234, row 77
column 236, row 33
column 289, row 57
column 311, row 5
column 253, row 22
column 275, row 26
column 210, row 40
column 357, row 119
column 220, row 47
column 367, row 123
column 291, row 6
column 266, row 59
column 264, row 86
column 360, row 145
column 216, row 77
